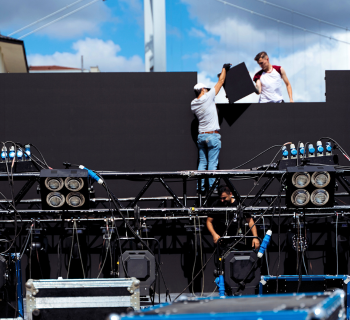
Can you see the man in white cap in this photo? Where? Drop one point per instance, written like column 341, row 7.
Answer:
column 208, row 142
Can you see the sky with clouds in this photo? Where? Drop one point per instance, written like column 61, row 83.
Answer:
column 201, row 36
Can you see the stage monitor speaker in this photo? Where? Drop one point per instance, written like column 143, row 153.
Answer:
column 238, row 83
column 237, row 266
column 141, row 265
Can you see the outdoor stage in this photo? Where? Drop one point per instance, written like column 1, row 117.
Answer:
column 135, row 125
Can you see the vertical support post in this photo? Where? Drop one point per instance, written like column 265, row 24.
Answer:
column 19, row 297
column 184, row 184
column 155, row 35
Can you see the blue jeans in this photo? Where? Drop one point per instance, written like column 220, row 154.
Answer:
column 209, row 146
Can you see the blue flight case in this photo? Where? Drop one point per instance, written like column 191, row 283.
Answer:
column 316, row 306
column 309, row 283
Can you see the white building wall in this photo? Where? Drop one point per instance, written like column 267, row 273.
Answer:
column 2, row 63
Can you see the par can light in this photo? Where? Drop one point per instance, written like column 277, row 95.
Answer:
column 54, row 184
column 320, row 179
column 319, row 197
column 301, row 179
column 300, row 197
column 75, row 199
column 65, row 189
column 55, row 199
column 74, row 184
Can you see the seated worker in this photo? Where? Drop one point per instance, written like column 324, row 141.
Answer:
column 217, row 223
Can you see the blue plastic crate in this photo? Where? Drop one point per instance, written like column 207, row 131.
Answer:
column 283, row 306
column 309, row 283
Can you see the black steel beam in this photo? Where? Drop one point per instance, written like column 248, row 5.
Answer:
column 143, row 190
column 171, row 192
column 233, row 189
column 261, row 191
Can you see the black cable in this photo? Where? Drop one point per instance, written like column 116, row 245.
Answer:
column 242, row 283
column 339, row 146
column 28, row 155
column 136, row 236
column 121, row 253
column 40, row 154
column 244, row 235
column 16, row 234
column 298, row 146
column 194, row 278
column 110, row 195
column 240, row 205
column 279, row 241
column 277, row 145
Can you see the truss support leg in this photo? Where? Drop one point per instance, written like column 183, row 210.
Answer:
column 171, row 192
column 24, row 190
column 261, row 191
column 144, row 189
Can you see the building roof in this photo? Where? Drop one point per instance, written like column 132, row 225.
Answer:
column 13, row 54
column 43, row 68
column 9, row 38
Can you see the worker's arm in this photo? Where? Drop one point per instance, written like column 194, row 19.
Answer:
column 288, row 85
column 255, row 241
column 258, row 86
column 210, row 227
column 222, row 77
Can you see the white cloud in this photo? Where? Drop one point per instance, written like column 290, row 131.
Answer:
column 105, row 54
column 16, row 14
column 305, row 63
column 236, row 36
column 196, row 33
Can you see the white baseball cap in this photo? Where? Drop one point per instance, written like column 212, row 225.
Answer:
column 199, row 86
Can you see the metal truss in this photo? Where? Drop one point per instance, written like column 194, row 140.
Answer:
column 258, row 203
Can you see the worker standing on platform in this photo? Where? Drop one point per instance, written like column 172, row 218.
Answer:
column 268, row 80
column 217, row 224
column 208, row 142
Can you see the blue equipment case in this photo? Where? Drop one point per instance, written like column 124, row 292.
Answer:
column 314, row 283
column 329, row 305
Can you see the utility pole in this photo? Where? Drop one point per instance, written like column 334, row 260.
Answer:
column 155, row 35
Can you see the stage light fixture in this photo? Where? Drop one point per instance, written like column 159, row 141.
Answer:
column 310, row 186
column 55, row 199
column 300, row 197
column 140, row 264
column 320, row 179
column 75, row 199
column 64, row 189
column 54, row 184
column 236, row 267
column 301, row 179
column 319, row 197
column 74, row 184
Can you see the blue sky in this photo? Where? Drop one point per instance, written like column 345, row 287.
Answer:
column 201, row 36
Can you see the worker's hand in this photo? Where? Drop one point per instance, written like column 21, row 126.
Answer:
column 216, row 237
column 255, row 243
column 291, row 100
column 227, row 66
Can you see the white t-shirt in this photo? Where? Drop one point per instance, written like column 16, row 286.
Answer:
column 271, row 87
column 205, row 110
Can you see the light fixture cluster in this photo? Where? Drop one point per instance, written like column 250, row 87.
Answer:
column 310, row 186
column 64, row 189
